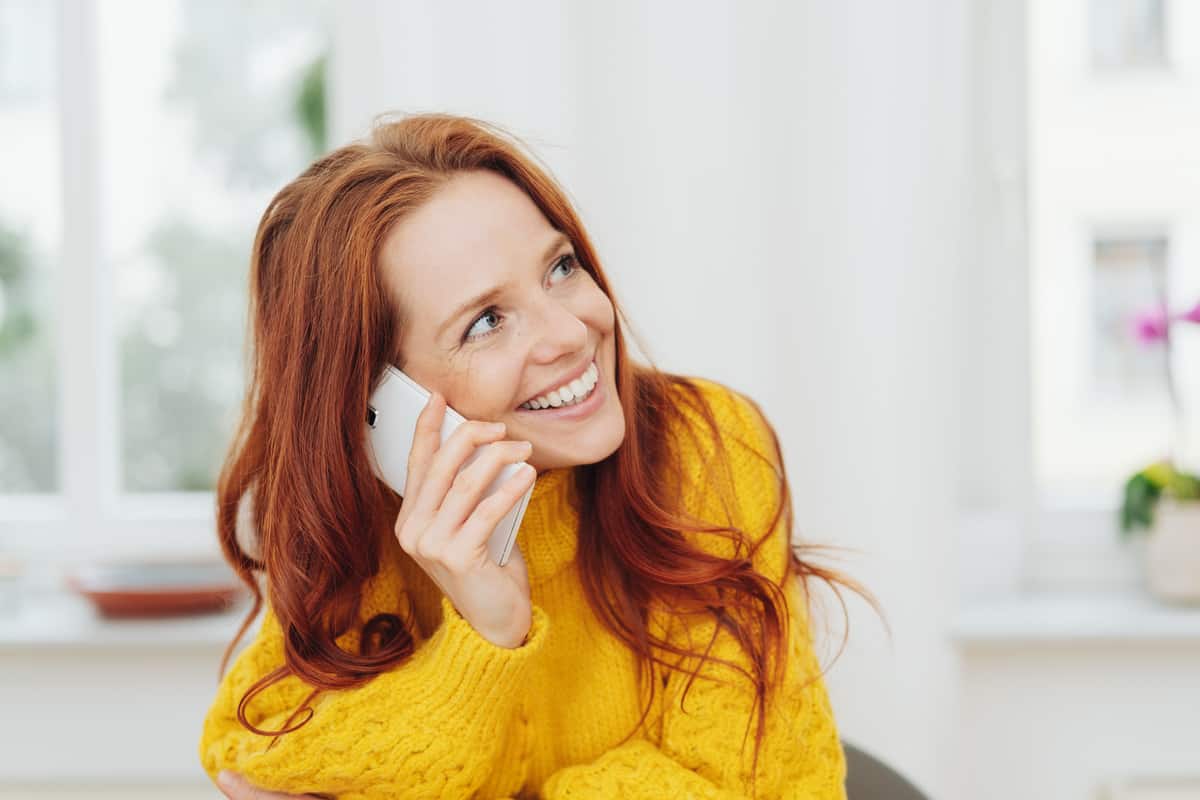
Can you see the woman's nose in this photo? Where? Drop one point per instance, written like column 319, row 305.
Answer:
column 558, row 331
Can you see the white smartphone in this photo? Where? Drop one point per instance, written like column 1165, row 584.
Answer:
column 392, row 412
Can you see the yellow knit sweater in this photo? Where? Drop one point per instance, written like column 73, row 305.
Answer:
column 465, row 718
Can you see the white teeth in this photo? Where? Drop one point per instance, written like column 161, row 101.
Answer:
column 572, row 393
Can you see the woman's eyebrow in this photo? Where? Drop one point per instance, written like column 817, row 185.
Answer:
column 478, row 300
column 487, row 296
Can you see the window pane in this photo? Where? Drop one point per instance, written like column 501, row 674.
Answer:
column 30, row 225
column 1129, row 278
column 207, row 111
column 1128, row 33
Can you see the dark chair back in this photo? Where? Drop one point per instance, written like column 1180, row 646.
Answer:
column 868, row 778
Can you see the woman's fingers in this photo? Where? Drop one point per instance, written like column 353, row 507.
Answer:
column 445, row 490
column 448, row 459
column 446, row 543
column 487, row 515
column 235, row 787
column 426, row 438
column 469, row 485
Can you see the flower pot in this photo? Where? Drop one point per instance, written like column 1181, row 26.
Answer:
column 1173, row 552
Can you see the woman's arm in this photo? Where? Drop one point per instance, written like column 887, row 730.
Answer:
column 429, row 728
column 433, row 725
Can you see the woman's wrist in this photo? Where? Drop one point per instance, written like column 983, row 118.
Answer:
column 510, row 640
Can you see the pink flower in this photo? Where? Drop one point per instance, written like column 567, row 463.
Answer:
column 1190, row 316
column 1151, row 326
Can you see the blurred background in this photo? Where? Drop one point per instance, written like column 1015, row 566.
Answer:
column 952, row 247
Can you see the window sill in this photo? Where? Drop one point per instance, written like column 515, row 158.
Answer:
column 1118, row 616
column 58, row 619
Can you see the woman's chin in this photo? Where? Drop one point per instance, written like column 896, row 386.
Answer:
column 588, row 447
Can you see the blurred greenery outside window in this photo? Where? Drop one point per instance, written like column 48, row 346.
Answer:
column 30, row 230
column 200, row 122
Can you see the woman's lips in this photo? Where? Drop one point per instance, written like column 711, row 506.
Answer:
column 575, row 410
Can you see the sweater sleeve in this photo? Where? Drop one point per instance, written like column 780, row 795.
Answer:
column 431, row 727
column 705, row 749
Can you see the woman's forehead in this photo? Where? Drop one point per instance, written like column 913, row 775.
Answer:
column 478, row 231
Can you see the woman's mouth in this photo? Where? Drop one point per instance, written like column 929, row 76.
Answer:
column 573, row 399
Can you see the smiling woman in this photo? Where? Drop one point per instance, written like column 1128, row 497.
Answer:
column 654, row 611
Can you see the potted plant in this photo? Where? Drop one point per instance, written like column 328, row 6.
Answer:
column 1163, row 500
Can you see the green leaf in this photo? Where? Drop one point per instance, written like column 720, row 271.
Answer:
column 1184, row 486
column 1137, row 508
column 1159, row 473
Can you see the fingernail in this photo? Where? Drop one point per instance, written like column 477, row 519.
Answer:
column 226, row 780
column 497, row 427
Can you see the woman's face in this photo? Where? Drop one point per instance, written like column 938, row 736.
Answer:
column 497, row 312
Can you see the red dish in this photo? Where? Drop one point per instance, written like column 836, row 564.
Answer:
column 157, row 588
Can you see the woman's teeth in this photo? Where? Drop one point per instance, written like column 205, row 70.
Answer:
column 574, row 392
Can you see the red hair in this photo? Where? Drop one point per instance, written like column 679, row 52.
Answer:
column 322, row 330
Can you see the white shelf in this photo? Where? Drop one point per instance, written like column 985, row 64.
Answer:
column 59, row 619
column 1115, row 616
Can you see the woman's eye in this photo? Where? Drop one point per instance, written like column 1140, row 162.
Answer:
column 568, row 260
column 479, row 327
column 475, row 331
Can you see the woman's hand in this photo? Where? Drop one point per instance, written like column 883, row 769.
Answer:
column 445, row 527
column 235, row 787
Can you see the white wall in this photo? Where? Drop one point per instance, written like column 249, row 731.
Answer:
column 882, row 163
column 1061, row 723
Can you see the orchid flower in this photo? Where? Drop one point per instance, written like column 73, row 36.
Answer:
column 1151, row 326
column 1190, row 316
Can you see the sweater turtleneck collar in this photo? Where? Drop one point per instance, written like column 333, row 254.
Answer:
column 549, row 530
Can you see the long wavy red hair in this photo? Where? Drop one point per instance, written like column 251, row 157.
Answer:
column 322, row 328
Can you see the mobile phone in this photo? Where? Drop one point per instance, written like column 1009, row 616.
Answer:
column 392, row 412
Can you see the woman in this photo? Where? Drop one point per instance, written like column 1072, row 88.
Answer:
column 649, row 636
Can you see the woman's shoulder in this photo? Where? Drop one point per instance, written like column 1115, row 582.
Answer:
column 715, row 415
column 730, row 468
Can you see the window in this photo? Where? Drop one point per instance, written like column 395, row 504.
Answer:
column 1111, row 174
column 1128, row 278
column 1127, row 33
column 1086, row 219
column 201, row 123
column 122, row 293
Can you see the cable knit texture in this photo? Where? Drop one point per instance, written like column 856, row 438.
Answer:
column 465, row 718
